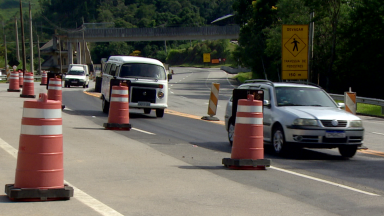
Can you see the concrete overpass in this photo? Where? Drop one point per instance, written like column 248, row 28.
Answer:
column 67, row 45
column 156, row 34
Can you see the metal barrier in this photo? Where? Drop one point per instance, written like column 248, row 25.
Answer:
column 364, row 100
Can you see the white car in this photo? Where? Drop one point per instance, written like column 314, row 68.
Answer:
column 76, row 76
column 305, row 116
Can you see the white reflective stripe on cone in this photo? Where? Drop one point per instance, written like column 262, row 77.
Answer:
column 55, row 82
column 41, row 130
column 54, row 87
column 120, row 92
column 242, row 108
column 42, row 113
column 14, row 78
column 28, row 77
column 249, row 120
column 119, row 99
column 28, row 81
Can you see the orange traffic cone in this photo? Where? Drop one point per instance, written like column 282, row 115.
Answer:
column 44, row 78
column 28, row 86
column 14, row 82
column 55, row 91
column 39, row 171
column 118, row 116
column 248, row 144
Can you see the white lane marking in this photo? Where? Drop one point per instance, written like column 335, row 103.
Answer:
column 143, row 131
column 78, row 194
column 68, row 109
column 183, row 97
column 324, row 181
column 172, row 93
column 378, row 133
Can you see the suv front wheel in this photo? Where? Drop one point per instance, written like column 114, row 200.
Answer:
column 278, row 141
column 231, row 132
column 348, row 151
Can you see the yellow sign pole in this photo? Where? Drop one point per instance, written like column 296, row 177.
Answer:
column 294, row 58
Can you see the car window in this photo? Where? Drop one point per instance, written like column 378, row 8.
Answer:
column 107, row 68
column 266, row 94
column 301, row 96
column 142, row 70
column 113, row 70
column 76, row 72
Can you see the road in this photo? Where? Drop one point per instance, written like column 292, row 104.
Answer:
column 172, row 165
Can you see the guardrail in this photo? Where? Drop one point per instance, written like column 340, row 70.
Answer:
column 364, row 100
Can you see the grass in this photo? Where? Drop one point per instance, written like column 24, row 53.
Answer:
column 367, row 109
column 10, row 8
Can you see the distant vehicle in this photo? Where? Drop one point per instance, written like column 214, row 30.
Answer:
column 146, row 77
column 76, row 76
column 86, row 69
column 304, row 116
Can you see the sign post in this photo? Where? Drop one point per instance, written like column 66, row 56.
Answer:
column 294, row 58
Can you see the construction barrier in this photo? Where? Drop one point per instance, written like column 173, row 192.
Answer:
column 44, row 78
column 55, row 91
column 28, row 86
column 39, row 171
column 118, row 116
column 248, row 144
column 350, row 101
column 212, row 104
column 14, row 85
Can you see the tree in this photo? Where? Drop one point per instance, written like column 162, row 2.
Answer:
column 253, row 17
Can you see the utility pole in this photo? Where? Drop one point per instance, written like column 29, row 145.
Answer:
column 84, row 46
column 5, row 47
column 60, row 62
column 22, row 39
column 17, row 41
column 31, row 37
column 310, row 47
column 38, row 51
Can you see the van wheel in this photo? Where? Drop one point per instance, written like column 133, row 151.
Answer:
column 147, row 110
column 159, row 113
column 84, row 86
column 105, row 106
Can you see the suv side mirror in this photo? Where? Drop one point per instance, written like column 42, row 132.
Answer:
column 341, row 105
column 267, row 103
column 169, row 77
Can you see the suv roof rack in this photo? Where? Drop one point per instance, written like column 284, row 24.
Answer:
column 304, row 82
column 259, row 81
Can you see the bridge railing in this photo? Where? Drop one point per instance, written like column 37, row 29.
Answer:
column 156, row 32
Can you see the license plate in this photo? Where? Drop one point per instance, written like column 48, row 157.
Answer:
column 143, row 103
column 335, row 134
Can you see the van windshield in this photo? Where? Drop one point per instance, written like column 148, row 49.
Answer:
column 76, row 72
column 143, row 70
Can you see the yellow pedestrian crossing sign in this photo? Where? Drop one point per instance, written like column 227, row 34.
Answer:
column 294, row 58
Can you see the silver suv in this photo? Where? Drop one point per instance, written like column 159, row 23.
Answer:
column 301, row 115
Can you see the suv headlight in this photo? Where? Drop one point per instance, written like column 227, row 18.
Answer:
column 306, row 122
column 356, row 123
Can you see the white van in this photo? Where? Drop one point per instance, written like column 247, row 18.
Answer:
column 146, row 78
column 77, row 76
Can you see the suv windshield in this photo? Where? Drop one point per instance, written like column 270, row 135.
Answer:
column 142, row 70
column 301, row 96
column 74, row 72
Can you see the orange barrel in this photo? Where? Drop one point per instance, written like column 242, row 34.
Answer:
column 14, row 82
column 28, row 86
column 21, row 78
column 44, row 78
column 54, row 89
column 248, row 137
column 40, row 156
column 118, row 117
